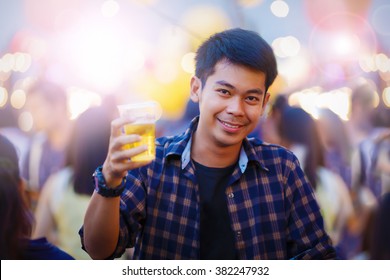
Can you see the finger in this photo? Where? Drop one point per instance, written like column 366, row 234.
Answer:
column 124, row 155
column 118, row 123
column 120, row 162
column 121, row 141
column 123, row 167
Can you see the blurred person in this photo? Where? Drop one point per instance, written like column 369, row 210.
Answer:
column 336, row 143
column 299, row 133
column 47, row 103
column 210, row 193
column 337, row 155
column 379, row 248
column 10, row 129
column 272, row 122
column 373, row 213
column 368, row 128
column 383, row 163
column 364, row 134
column 359, row 125
column 65, row 196
column 370, row 173
column 16, row 219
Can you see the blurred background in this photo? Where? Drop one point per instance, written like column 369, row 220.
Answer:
column 144, row 49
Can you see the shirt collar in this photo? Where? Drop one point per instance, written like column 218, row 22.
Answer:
column 186, row 156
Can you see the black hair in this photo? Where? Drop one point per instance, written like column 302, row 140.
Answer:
column 15, row 217
column 298, row 127
column 238, row 46
column 88, row 147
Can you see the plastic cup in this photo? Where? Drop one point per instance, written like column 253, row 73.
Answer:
column 145, row 115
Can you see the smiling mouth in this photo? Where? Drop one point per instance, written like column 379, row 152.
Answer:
column 231, row 127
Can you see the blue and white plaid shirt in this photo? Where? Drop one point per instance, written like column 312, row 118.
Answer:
column 272, row 208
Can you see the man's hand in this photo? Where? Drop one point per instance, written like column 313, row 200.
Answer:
column 118, row 160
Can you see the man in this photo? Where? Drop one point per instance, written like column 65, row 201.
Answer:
column 211, row 193
column 47, row 103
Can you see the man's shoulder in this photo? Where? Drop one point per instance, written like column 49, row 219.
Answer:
column 171, row 145
column 261, row 146
column 166, row 141
column 268, row 154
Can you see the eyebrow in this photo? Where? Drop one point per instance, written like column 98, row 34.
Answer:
column 228, row 85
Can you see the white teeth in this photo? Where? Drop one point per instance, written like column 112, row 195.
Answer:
column 231, row 126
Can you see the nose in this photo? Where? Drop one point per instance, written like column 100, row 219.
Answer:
column 235, row 107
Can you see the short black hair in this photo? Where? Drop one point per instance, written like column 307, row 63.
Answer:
column 238, row 46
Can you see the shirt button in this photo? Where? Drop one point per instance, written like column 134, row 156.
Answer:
column 238, row 233
column 230, row 195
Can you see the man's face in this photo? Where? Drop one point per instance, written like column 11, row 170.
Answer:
column 41, row 111
column 46, row 115
column 230, row 103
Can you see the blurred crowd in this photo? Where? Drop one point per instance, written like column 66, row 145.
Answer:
column 347, row 163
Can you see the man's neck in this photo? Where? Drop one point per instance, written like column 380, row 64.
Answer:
column 213, row 155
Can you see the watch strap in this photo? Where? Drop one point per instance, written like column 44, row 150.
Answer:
column 102, row 188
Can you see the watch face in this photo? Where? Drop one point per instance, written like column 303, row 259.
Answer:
column 99, row 176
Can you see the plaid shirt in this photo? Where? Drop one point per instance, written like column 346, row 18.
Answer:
column 272, row 208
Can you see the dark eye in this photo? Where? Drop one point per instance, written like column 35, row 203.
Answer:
column 253, row 99
column 223, row 91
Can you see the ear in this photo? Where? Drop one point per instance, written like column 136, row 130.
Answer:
column 196, row 88
column 265, row 102
column 266, row 99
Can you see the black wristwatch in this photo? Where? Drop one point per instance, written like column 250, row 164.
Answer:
column 101, row 187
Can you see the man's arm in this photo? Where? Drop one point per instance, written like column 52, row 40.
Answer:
column 102, row 218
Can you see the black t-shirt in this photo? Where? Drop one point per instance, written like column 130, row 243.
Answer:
column 216, row 235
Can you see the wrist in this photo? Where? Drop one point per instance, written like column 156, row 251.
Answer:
column 103, row 189
column 111, row 178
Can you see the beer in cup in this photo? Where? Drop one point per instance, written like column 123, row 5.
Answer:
column 145, row 115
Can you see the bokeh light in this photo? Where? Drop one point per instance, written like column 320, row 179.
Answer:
column 312, row 99
column 344, row 44
column 79, row 100
column 7, row 62
column 18, row 99
column 286, row 46
column 22, row 62
column 339, row 44
column 3, row 96
column 188, row 62
column 280, row 8
column 382, row 62
column 25, row 121
column 386, row 96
